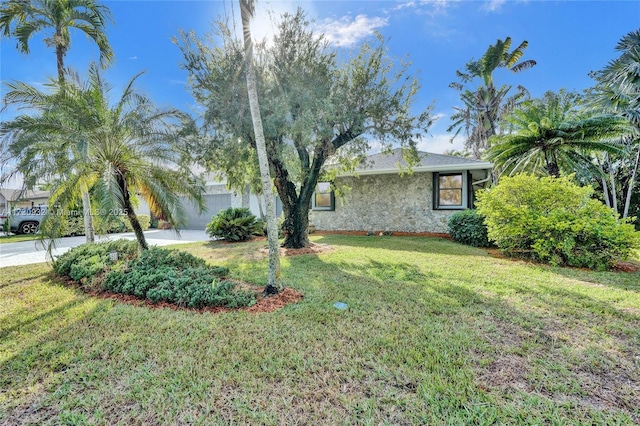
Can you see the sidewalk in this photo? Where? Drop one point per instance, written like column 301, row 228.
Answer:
column 28, row 252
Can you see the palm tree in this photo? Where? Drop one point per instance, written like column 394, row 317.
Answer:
column 549, row 135
column 22, row 19
column 485, row 105
column 618, row 92
column 120, row 151
column 274, row 284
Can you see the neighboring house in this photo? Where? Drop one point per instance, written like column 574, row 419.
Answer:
column 218, row 197
column 383, row 196
column 15, row 198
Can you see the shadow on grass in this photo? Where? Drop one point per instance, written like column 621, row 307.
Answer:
column 401, row 243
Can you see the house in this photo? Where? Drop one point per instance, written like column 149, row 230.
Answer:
column 14, row 198
column 218, row 197
column 381, row 198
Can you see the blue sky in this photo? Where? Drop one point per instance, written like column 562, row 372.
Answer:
column 566, row 38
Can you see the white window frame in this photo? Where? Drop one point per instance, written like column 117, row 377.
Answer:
column 330, row 208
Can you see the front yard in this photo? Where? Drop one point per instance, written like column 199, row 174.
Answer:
column 434, row 333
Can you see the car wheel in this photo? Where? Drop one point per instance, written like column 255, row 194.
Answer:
column 29, row 227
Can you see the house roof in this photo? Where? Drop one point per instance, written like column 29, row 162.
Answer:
column 22, row 194
column 429, row 162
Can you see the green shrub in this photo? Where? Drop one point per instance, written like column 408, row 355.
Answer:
column 555, row 221
column 162, row 275
column 234, row 224
column 158, row 274
column 92, row 259
column 467, row 227
column 72, row 223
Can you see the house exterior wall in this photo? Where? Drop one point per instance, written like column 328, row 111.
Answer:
column 388, row 202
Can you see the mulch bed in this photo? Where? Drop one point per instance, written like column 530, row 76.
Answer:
column 264, row 304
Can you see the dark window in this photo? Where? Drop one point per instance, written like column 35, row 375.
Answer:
column 323, row 198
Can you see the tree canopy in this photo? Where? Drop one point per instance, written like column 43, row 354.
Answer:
column 313, row 106
column 22, row 19
column 78, row 139
column 551, row 135
column 486, row 104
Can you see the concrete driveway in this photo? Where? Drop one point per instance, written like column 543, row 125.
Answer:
column 27, row 252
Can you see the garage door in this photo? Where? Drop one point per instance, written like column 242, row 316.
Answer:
column 213, row 204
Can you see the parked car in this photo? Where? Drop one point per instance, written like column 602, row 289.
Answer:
column 24, row 220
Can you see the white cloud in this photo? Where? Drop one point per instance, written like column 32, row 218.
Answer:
column 430, row 7
column 439, row 143
column 133, row 58
column 493, row 5
column 347, row 31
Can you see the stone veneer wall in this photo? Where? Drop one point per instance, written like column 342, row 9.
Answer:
column 384, row 203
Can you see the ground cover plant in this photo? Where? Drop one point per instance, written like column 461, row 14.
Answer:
column 156, row 274
column 435, row 333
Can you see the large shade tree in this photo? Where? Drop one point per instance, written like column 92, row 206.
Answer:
column 618, row 92
column 551, row 135
column 484, row 102
column 78, row 138
column 312, row 105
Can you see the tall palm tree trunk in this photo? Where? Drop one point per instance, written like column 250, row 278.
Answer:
column 274, row 284
column 89, row 231
column 632, row 180
column 131, row 215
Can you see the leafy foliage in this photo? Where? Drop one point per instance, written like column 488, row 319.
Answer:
column 555, row 221
column 315, row 103
column 88, row 260
column 178, row 277
column 234, row 224
column 551, row 134
column 157, row 274
column 467, row 227
column 23, row 19
column 128, row 148
column 73, row 224
column 486, row 105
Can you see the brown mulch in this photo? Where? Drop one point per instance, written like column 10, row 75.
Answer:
column 626, row 267
column 264, row 304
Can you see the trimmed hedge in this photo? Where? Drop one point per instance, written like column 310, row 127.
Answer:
column 467, row 227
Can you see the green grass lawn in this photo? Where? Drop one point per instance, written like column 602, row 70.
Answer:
column 435, row 333
column 17, row 238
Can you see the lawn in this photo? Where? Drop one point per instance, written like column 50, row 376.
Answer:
column 15, row 238
column 434, row 333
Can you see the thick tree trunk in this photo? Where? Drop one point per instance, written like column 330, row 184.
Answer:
column 88, row 217
column 274, row 284
column 296, row 227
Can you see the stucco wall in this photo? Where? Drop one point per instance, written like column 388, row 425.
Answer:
column 384, row 203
